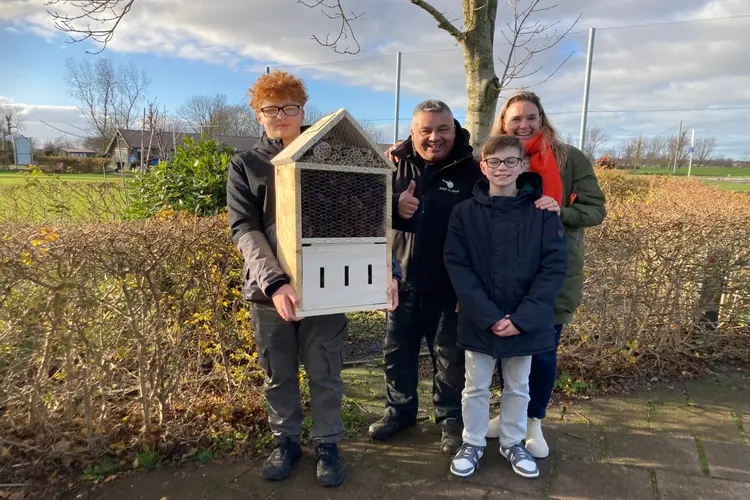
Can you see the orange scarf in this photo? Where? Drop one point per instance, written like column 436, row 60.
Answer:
column 543, row 163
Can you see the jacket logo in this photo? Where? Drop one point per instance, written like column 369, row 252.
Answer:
column 449, row 185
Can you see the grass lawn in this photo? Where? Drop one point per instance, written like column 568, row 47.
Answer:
column 15, row 177
column 78, row 199
column 741, row 187
column 697, row 171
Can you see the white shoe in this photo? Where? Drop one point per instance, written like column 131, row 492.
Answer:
column 535, row 442
column 493, row 431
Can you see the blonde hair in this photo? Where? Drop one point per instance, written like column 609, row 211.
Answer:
column 550, row 136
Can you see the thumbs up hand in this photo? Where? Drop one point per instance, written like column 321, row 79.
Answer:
column 407, row 202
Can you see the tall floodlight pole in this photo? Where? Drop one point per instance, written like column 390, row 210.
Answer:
column 398, row 96
column 586, row 87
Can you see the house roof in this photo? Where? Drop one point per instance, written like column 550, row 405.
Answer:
column 335, row 139
column 133, row 139
column 240, row 143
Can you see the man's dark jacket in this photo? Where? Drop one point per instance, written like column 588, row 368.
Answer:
column 251, row 202
column 418, row 242
column 506, row 257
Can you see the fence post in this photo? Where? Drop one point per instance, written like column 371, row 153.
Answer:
column 586, row 87
column 398, row 96
column 715, row 275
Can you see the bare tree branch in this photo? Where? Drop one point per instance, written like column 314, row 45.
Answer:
column 106, row 14
column 442, row 22
column 335, row 11
column 522, row 34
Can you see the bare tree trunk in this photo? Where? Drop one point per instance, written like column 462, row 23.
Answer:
column 482, row 84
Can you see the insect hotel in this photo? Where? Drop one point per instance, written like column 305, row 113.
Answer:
column 333, row 218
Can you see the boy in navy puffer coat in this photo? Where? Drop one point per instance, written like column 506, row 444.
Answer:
column 507, row 262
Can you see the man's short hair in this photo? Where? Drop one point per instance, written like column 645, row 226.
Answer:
column 495, row 143
column 431, row 106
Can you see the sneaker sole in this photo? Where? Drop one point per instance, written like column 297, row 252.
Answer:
column 463, row 474
column 527, row 475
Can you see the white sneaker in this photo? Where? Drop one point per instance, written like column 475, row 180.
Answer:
column 493, row 431
column 535, row 442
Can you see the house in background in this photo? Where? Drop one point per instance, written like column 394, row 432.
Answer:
column 77, row 152
column 124, row 149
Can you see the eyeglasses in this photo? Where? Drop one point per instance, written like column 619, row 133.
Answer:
column 510, row 162
column 273, row 111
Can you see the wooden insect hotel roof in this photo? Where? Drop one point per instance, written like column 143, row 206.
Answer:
column 335, row 139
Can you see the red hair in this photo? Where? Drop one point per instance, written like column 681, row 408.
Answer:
column 277, row 86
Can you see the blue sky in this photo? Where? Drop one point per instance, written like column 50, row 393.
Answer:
column 187, row 48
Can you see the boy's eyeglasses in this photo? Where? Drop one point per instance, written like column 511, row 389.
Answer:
column 510, row 162
column 273, row 111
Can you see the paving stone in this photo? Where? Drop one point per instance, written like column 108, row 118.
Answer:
column 191, row 483
column 592, row 480
column 573, row 441
column 424, row 489
column 496, row 473
column 705, row 423
column 675, row 486
column 662, row 452
column 726, row 391
column 612, row 413
column 728, row 460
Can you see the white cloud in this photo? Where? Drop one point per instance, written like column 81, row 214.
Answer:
column 44, row 121
column 668, row 66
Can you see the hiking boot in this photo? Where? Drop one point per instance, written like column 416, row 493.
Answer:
column 385, row 428
column 522, row 462
column 493, row 430
column 279, row 463
column 466, row 461
column 451, row 439
column 535, row 442
column 330, row 470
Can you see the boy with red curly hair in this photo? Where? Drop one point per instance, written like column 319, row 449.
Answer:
column 278, row 100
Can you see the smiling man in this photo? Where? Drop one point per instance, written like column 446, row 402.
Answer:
column 435, row 171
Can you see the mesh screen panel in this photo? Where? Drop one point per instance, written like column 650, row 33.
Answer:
column 343, row 204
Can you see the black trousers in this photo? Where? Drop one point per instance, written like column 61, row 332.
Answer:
column 320, row 340
column 433, row 317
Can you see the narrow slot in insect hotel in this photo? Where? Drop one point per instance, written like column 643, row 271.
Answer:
column 333, row 218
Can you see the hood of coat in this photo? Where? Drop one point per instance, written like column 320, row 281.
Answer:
column 529, row 185
column 268, row 148
column 461, row 147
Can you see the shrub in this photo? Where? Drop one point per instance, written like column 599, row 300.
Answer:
column 605, row 161
column 6, row 158
column 71, row 164
column 120, row 336
column 669, row 251
column 194, row 181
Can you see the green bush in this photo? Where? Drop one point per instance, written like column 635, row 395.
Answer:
column 71, row 164
column 194, row 181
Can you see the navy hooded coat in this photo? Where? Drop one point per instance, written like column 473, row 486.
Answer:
column 504, row 257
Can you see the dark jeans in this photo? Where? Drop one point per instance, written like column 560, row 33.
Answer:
column 541, row 379
column 433, row 317
column 320, row 340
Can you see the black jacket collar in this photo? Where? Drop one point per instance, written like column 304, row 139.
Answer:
column 268, row 147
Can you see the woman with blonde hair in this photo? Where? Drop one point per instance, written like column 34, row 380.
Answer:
column 568, row 177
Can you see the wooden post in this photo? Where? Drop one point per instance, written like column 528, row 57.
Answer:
column 712, row 288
